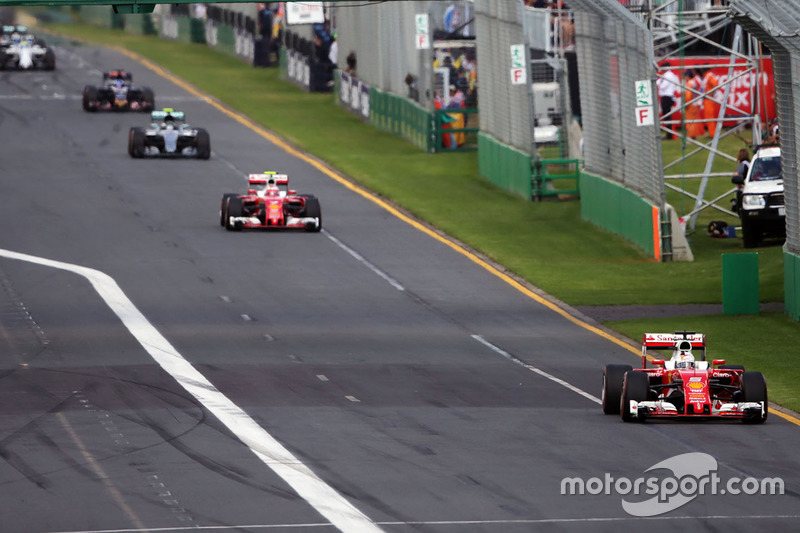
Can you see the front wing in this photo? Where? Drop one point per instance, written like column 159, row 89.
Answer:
column 290, row 222
column 665, row 409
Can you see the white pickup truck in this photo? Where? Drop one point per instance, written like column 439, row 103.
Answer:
column 760, row 199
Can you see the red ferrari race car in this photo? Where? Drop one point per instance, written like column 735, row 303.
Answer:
column 683, row 387
column 270, row 204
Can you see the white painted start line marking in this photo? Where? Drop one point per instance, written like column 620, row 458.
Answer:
column 321, row 496
column 358, row 257
column 532, row 368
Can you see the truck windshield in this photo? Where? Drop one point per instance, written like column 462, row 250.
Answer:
column 766, row 168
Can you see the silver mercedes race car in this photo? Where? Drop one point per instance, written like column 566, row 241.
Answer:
column 169, row 136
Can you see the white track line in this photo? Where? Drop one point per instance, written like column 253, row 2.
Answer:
column 393, row 282
column 532, row 368
column 587, row 520
column 329, row 503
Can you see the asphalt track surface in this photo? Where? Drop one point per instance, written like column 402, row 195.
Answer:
column 162, row 374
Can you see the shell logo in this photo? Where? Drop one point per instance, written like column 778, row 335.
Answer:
column 695, row 385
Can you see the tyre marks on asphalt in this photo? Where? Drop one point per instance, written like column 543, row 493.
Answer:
column 121, row 445
column 95, row 466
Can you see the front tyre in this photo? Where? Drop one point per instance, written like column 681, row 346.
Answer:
column 233, row 208
column 754, row 389
column 223, row 206
column 203, row 141
column 612, row 387
column 635, row 387
column 314, row 210
column 89, row 97
column 136, row 142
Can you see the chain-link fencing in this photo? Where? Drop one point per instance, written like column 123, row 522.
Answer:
column 383, row 40
column 615, row 51
column 505, row 105
column 776, row 26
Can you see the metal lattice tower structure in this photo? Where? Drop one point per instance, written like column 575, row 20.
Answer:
column 680, row 24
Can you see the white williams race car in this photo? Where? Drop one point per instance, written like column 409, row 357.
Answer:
column 21, row 50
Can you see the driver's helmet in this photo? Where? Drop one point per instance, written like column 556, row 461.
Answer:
column 682, row 356
column 119, row 83
column 685, row 360
column 272, row 188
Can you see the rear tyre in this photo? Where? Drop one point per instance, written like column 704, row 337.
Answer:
column 233, row 208
column 136, row 142
column 635, row 387
column 89, row 96
column 612, row 387
column 313, row 209
column 148, row 99
column 203, row 144
column 754, row 389
column 223, row 214
column 49, row 61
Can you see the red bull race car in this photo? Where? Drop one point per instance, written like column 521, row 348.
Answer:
column 270, row 204
column 683, row 386
column 118, row 94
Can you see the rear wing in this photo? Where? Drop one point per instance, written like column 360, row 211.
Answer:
column 117, row 74
column 163, row 114
column 668, row 341
column 280, row 179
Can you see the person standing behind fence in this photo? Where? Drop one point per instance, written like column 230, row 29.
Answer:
column 710, row 106
column 693, row 109
column 333, row 53
column 668, row 90
column 743, row 165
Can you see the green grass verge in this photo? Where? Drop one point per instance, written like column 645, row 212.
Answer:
column 546, row 243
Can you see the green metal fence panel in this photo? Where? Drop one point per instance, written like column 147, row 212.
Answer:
column 197, row 31
column 504, row 166
column 401, row 117
column 140, row 24
column 791, row 284
column 550, row 176
column 740, row 284
column 226, row 39
column 619, row 210
column 102, row 16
